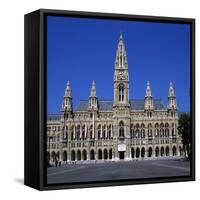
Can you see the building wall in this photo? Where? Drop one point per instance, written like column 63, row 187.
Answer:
column 144, row 137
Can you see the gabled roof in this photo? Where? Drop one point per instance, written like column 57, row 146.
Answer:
column 53, row 117
column 107, row 105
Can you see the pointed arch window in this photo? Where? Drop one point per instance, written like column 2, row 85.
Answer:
column 121, row 93
column 99, row 131
column 121, row 130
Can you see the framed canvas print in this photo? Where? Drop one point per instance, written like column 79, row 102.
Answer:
column 109, row 99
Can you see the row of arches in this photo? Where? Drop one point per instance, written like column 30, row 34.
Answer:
column 82, row 132
column 159, row 130
column 106, row 131
column 159, row 151
column 78, row 155
column 150, row 125
column 107, row 154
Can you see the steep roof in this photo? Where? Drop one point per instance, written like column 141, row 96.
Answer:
column 53, row 117
column 107, row 105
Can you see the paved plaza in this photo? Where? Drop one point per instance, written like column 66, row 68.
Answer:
column 101, row 171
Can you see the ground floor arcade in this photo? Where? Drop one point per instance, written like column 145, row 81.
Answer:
column 111, row 154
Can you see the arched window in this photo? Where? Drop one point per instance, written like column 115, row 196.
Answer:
column 156, row 130
column 78, row 132
column 150, row 152
column 64, row 156
column 110, row 131
column 132, row 153
column 110, row 154
column 174, row 151
column 121, row 129
column 150, row 130
column 66, row 133
column 84, row 154
column 92, row 153
column 157, row 151
column 78, row 155
column 162, row 151
column 143, row 152
column 105, row 154
column 99, row 131
column 121, row 93
column 91, row 131
column 137, row 153
column 72, row 132
column 83, row 132
column 167, row 151
column 142, row 131
column 132, row 131
column 99, row 154
column 104, row 132
column 73, row 157
column 137, row 132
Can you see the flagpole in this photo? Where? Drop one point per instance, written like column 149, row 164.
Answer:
column 93, row 125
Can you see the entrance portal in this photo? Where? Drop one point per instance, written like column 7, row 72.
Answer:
column 121, row 155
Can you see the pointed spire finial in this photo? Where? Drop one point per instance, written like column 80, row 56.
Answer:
column 171, row 98
column 93, row 83
column 148, row 89
column 68, row 90
column 121, row 58
column 93, row 89
column 171, row 89
column 120, row 37
column 68, row 83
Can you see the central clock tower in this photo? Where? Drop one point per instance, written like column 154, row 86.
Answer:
column 121, row 77
column 121, row 105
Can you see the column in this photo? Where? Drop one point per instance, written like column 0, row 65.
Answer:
column 68, row 155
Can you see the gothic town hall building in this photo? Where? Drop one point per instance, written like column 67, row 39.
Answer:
column 118, row 129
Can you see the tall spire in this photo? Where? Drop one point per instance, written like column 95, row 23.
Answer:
column 171, row 89
column 93, row 101
column 171, row 97
column 148, row 90
column 68, row 90
column 93, row 90
column 148, row 97
column 121, row 76
column 67, row 99
column 121, row 59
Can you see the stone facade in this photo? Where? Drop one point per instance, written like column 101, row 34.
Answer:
column 119, row 129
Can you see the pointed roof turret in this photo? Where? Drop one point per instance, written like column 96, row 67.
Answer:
column 148, row 90
column 171, row 89
column 121, row 59
column 148, row 97
column 67, row 99
column 68, row 90
column 171, row 97
column 93, row 90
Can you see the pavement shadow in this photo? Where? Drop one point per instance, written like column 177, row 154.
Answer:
column 19, row 181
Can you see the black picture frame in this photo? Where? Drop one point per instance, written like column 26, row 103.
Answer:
column 35, row 84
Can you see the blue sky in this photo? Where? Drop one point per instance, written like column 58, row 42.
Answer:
column 83, row 50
